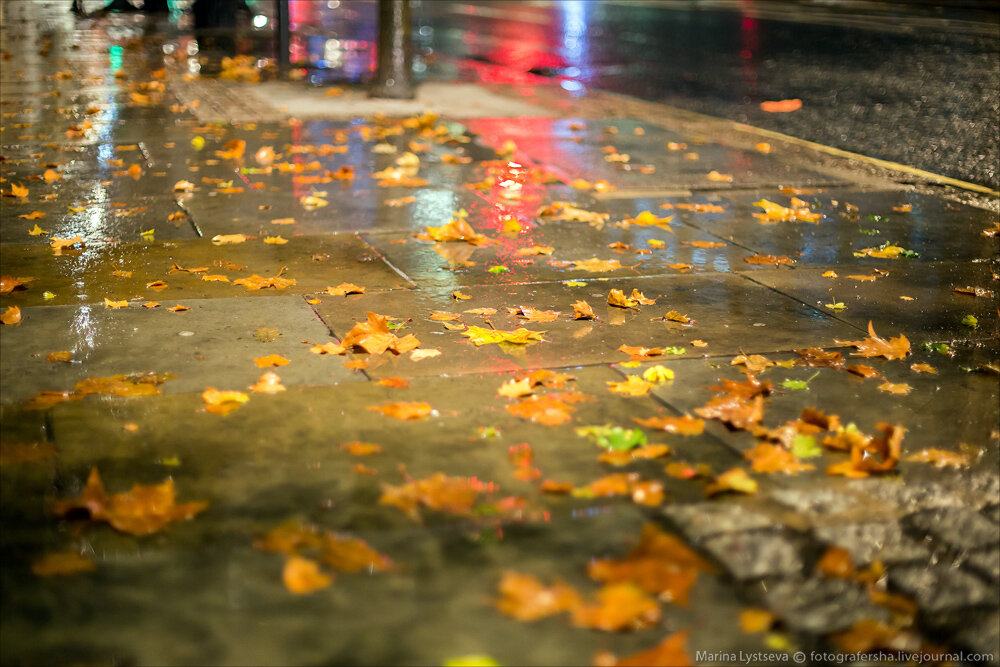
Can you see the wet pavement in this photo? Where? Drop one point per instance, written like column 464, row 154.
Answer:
column 870, row 527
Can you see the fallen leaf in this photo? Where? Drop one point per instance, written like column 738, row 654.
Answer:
column 268, row 383
column 62, row 564
column 836, row 562
column 58, row 245
column 777, row 213
column 596, row 265
column 343, row 289
column 940, row 458
column 875, row 346
column 418, row 355
column 766, row 458
column 900, row 388
column 228, row 239
column 618, row 607
column 63, row 356
column 303, row 576
column 402, row 410
column 536, row 250
column 732, row 481
column 222, row 402
column 34, row 215
column 526, row 599
column 178, row 308
column 456, row 229
column 36, row 231
column 781, row 106
column 482, row 336
column 716, row 176
column 770, row 260
column 232, row 150
column 439, row 492
column 974, row 291
column 616, row 297
column 156, row 284
column 532, row 315
column 275, row 240
column 143, row 510
column 633, row 386
column 753, row 621
column 545, row 410
column 583, row 311
column 256, row 282
column 108, row 303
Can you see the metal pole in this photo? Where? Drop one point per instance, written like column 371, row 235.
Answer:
column 394, row 78
column 282, row 32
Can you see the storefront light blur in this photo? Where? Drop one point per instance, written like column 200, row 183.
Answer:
column 259, row 21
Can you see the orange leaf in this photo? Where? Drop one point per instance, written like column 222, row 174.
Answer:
column 402, row 410
column 360, row 448
column 395, row 382
column 772, row 260
column 753, row 621
column 545, row 410
column 633, row 386
column 60, row 564
column 617, row 298
column 303, row 576
column 767, row 458
column 11, row 316
column 275, row 240
column 836, row 562
column 596, row 265
column 271, row 360
column 618, row 607
column 34, row 215
column 222, row 402
column 875, row 346
column 671, row 652
column 343, row 289
column 328, row 348
column 736, row 481
column 899, row 388
column 453, row 495
column 685, row 425
column 525, row 598
column 940, row 458
column 178, row 308
column 156, row 284
column 63, row 356
column 923, row 368
column 58, row 245
column 232, row 150
column 268, row 383
column 781, row 106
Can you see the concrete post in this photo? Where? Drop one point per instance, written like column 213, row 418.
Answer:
column 394, row 77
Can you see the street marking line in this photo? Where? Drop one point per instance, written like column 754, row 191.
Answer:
column 885, row 164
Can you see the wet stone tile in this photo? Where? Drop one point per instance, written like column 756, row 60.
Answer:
column 724, row 305
column 867, row 542
column 992, row 513
column 931, row 312
column 96, row 222
column 956, row 527
column 585, row 158
column 939, row 588
column 503, row 259
column 350, row 209
column 936, row 229
column 703, row 520
column 279, row 453
column 756, row 554
column 820, row 606
column 314, row 262
column 209, row 344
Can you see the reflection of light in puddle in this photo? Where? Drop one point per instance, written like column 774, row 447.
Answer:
column 83, row 328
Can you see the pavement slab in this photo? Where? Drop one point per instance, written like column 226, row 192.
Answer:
column 850, row 221
column 957, row 528
column 917, row 300
column 940, row 588
column 210, row 344
column 871, row 541
column 757, row 554
column 706, row 297
column 821, row 605
column 314, row 262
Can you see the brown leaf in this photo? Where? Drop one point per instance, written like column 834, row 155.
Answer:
column 899, row 388
column 836, row 562
column 818, row 357
column 864, row 371
column 974, row 291
column 9, row 283
column 923, row 368
column 532, row 315
column 754, row 363
column 875, row 346
column 17, row 452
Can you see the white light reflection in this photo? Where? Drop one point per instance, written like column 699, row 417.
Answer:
column 576, row 48
column 83, row 329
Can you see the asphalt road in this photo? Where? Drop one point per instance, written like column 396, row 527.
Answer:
column 918, row 85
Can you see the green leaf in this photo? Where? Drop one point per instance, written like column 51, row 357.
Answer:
column 498, row 269
column 673, row 349
column 940, row 348
column 910, row 254
column 613, row 437
column 488, row 432
column 795, row 384
column 805, row 446
column 970, row 321
column 869, row 232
